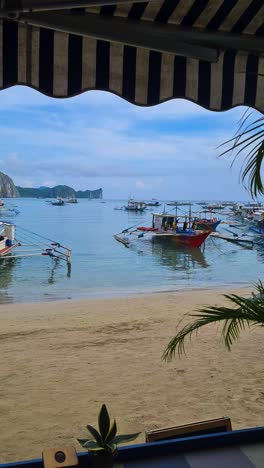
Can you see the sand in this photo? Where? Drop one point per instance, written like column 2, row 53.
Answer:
column 60, row 361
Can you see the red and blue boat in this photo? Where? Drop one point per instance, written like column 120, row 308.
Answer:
column 181, row 230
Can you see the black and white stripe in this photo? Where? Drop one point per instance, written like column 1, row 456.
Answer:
column 62, row 65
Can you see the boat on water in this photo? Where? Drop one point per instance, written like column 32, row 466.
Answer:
column 7, row 238
column 179, row 203
column 1, row 203
column 234, row 238
column 167, row 226
column 11, row 247
column 72, row 200
column 207, row 224
column 213, row 206
column 153, row 202
column 135, row 205
column 58, row 202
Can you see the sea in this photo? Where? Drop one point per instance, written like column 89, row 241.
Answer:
column 102, row 267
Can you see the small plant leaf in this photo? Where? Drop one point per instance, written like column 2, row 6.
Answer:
column 112, row 432
column 96, row 449
column 83, row 441
column 103, row 422
column 111, row 447
column 121, row 439
column 95, row 434
column 89, row 444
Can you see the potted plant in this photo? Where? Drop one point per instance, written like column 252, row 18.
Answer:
column 103, row 444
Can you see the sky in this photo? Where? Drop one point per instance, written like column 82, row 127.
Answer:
column 98, row 140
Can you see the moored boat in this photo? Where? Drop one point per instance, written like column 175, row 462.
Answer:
column 72, row 200
column 7, row 238
column 58, row 202
column 10, row 247
column 167, row 226
column 153, row 202
column 215, row 206
column 135, row 205
column 207, row 224
column 1, row 203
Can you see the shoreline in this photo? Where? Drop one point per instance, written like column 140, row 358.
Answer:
column 61, row 360
column 222, row 289
column 118, row 294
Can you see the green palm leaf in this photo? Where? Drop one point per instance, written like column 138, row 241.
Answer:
column 244, row 312
column 249, row 140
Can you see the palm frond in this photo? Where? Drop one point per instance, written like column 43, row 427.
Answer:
column 243, row 312
column 249, row 141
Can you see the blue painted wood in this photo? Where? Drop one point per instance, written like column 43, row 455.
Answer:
column 223, row 439
column 229, row 457
column 167, row 447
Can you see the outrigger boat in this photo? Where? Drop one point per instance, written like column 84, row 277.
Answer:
column 206, row 224
column 11, row 248
column 166, row 225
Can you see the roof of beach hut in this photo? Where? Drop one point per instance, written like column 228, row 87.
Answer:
column 208, row 51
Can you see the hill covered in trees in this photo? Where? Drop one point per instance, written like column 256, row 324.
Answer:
column 62, row 191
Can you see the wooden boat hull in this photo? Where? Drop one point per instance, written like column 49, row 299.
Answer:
column 7, row 249
column 191, row 239
column 207, row 225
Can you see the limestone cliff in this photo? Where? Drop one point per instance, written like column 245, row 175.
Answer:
column 7, row 187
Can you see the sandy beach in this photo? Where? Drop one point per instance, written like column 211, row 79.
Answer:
column 61, row 360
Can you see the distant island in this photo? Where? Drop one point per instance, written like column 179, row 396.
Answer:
column 9, row 190
column 62, row 191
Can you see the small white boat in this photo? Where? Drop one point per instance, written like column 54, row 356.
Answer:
column 72, row 200
column 1, row 204
column 58, row 202
column 134, row 205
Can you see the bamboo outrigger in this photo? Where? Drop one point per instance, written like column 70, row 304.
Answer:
column 10, row 247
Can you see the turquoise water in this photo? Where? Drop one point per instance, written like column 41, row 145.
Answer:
column 102, row 267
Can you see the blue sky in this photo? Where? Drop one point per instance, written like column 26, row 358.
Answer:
column 99, row 140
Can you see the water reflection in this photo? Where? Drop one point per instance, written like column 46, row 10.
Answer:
column 7, row 267
column 177, row 259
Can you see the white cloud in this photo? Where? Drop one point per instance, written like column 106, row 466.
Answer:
column 99, row 140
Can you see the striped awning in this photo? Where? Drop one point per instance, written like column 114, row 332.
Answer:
column 208, row 51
